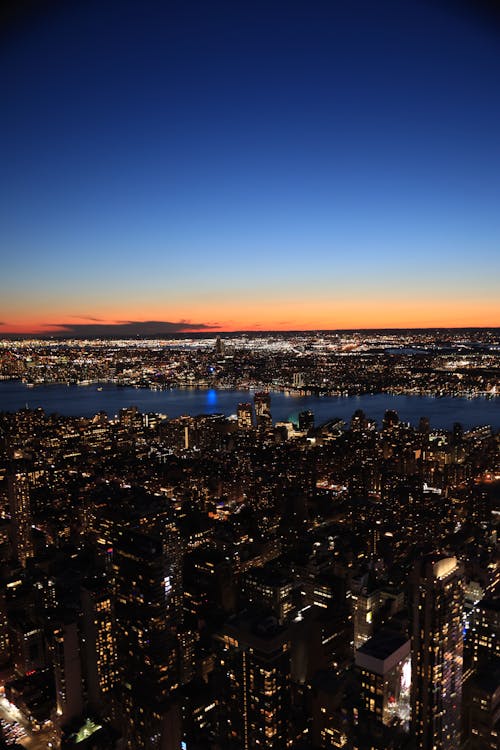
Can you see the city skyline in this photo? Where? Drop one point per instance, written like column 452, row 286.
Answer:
column 234, row 168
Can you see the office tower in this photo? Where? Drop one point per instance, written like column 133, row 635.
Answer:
column 65, row 650
column 384, row 667
column 98, row 645
column 244, row 414
column 20, row 512
column 146, row 646
column 254, row 675
column 437, row 652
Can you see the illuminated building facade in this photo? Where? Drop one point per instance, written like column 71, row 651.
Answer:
column 366, row 603
column 273, row 591
column 27, row 644
column 262, row 402
column 4, row 632
column 485, row 631
column 255, row 672
column 384, row 667
column 245, row 418
column 437, row 652
column 99, row 645
column 481, row 710
column 20, row 512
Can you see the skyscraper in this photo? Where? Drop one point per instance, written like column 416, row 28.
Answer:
column 65, row 648
column 99, row 644
column 255, row 683
column 147, row 652
column 20, row 513
column 437, row 648
column 244, row 413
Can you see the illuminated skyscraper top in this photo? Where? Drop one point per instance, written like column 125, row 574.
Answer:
column 437, row 648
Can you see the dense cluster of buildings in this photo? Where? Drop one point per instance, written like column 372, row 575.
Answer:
column 457, row 363
column 206, row 582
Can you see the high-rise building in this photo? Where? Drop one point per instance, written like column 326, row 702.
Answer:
column 27, row 643
column 219, row 345
column 255, row 684
column 244, row 414
column 98, row 645
column 306, row 420
column 262, row 403
column 298, row 380
column 65, row 649
column 481, row 709
column 146, row 644
column 20, row 512
column 437, row 652
column 272, row 590
column 384, row 668
column 485, row 631
column 366, row 605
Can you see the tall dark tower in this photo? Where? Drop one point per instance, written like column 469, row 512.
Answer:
column 146, row 644
column 437, row 648
column 255, row 684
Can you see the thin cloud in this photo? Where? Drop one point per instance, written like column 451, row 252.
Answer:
column 130, row 328
column 87, row 317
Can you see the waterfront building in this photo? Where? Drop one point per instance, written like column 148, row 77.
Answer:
column 244, row 415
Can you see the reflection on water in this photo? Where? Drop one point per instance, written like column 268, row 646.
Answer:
column 211, row 397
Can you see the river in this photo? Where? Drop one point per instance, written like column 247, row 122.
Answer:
column 75, row 400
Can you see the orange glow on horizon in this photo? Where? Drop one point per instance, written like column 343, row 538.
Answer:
column 287, row 315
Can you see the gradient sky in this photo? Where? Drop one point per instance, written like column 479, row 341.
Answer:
column 239, row 165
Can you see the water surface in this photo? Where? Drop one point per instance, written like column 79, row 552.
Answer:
column 76, row 400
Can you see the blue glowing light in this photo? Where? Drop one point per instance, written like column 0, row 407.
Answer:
column 211, row 397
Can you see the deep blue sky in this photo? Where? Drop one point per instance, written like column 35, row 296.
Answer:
column 250, row 163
